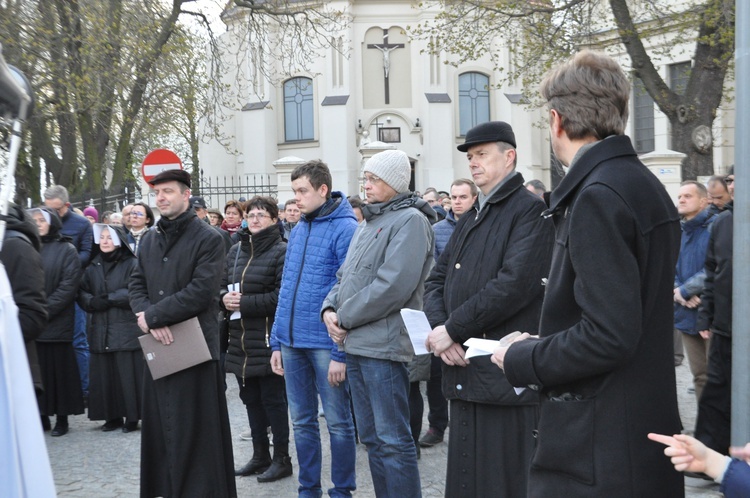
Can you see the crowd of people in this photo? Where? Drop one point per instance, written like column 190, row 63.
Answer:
column 590, row 292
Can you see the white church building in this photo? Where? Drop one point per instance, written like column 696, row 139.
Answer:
column 389, row 92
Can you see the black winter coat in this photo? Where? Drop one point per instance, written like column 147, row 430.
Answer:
column 488, row 282
column 715, row 312
column 604, row 360
column 178, row 275
column 23, row 264
column 62, row 274
column 112, row 325
column 258, row 263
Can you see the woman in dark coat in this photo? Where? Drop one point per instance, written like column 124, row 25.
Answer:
column 116, row 358
column 62, row 272
column 251, row 286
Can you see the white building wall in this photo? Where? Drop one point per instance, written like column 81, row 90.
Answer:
column 258, row 134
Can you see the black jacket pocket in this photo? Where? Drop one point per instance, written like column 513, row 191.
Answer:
column 565, row 440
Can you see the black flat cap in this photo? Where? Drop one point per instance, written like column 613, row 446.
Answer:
column 493, row 131
column 172, row 175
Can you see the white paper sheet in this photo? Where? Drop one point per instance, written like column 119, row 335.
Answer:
column 418, row 327
column 236, row 315
column 480, row 347
column 483, row 347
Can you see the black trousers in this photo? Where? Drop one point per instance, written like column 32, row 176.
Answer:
column 265, row 400
column 438, row 414
column 713, row 426
column 416, row 410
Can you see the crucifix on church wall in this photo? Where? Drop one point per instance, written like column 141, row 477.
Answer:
column 386, row 48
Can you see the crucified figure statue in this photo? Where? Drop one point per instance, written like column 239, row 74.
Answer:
column 386, row 57
column 386, row 48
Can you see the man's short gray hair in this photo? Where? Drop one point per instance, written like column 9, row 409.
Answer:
column 57, row 192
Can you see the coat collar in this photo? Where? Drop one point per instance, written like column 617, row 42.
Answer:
column 262, row 240
column 400, row 201
column 610, row 147
column 511, row 185
column 699, row 220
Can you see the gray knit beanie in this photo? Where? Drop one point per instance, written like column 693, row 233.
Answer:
column 393, row 167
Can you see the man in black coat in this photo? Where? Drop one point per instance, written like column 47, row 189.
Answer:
column 603, row 361
column 186, row 447
column 487, row 283
column 713, row 425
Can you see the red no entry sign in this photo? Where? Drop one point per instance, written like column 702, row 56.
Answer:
column 159, row 160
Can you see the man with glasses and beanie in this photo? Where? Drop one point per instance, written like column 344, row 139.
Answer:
column 186, row 446
column 385, row 268
column 603, row 361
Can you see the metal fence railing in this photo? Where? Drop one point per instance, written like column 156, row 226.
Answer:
column 107, row 201
column 217, row 190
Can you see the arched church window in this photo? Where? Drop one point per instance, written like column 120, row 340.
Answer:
column 298, row 109
column 473, row 100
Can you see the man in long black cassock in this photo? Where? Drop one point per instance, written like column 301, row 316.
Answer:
column 487, row 283
column 186, row 447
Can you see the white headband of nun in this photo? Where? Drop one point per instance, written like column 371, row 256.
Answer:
column 98, row 227
column 32, row 211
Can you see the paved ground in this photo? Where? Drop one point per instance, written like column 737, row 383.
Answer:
column 90, row 463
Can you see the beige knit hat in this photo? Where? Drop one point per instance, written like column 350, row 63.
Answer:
column 393, row 167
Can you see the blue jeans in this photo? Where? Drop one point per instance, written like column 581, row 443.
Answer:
column 81, row 346
column 380, row 389
column 306, row 376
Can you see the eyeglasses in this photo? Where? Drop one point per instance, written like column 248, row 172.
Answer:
column 728, row 180
column 371, row 179
column 60, row 209
column 136, row 214
column 256, row 216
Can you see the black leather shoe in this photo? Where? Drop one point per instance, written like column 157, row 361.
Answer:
column 254, row 466
column 59, row 430
column 430, row 439
column 280, row 468
column 112, row 425
column 260, row 462
column 130, row 427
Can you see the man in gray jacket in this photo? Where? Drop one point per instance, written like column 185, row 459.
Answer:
column 385, row 268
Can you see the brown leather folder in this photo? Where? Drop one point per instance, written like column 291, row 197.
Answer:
column 188, row 349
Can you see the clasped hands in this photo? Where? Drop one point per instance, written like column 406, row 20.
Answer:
column 161, row 334
column 439, row 342
column 335, row 332
column 691, row 303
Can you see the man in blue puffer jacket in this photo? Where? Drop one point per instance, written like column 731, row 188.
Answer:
column 692, row 204
column 302, row 350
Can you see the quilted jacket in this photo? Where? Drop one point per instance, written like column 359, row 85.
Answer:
column 317, row 248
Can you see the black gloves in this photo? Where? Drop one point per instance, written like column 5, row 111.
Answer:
column 99, row 303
